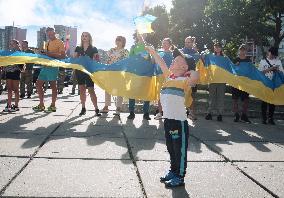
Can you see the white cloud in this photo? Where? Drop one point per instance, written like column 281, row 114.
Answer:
column 103, row 28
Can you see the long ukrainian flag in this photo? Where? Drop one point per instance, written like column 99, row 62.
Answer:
column 136, row 77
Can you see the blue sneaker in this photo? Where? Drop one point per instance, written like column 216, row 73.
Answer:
column 176, row 181
column 167, row 177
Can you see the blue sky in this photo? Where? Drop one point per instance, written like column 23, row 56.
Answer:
column 104, row 19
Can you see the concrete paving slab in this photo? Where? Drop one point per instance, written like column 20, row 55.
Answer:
column 253, row 151
column 215, row 179
column 89, row 147
column 9, row 166
column 76, row 178
column 147, row 149
column 150, row 132
column 85, row 130
column 269, row 174
column 19, row 144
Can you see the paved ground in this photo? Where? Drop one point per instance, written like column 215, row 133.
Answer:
column 64, row 155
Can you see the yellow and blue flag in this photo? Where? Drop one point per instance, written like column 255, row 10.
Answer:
column 143, row 23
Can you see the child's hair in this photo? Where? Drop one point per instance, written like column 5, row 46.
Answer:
column 188, row 59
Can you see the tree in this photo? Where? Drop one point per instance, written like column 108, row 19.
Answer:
column 259, row 20
column 187, row 18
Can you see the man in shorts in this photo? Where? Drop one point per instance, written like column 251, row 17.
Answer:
column 55, row 49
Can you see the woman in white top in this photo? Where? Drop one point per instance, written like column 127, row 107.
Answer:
column 115, row 54
column 269, row 66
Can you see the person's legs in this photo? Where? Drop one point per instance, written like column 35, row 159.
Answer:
column 15, row 85
column 220, row 97
column 93, row 97
column 22, row 84
column 83, row 95
column 107, row 102
column 119, row 101
column 131, row 106
column 54, row 92
column 39, row 87
column 29, row 82
column 271, row 109
column 211, row 101
column 146, row 107
column 9, row 83
column 264, row 112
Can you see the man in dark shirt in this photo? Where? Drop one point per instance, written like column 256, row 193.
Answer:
column 27, row 74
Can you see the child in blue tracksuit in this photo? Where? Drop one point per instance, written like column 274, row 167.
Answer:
column 178, row 81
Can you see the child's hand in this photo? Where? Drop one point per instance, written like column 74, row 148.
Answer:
column 150, row 49
column 193, row 77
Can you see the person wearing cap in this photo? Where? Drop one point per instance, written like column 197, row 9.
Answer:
column 236, row 93
column 216, row 92
column 269, row 66
column 54, row 49
column 179, row 79
column 27, row 74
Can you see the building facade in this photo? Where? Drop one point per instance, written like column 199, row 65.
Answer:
column 10, row 33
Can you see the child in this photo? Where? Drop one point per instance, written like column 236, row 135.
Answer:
column 172, row 100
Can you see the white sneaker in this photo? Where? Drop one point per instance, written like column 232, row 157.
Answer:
column 191, row 115
column 158, row 116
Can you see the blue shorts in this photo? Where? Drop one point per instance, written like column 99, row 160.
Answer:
column 48, row 73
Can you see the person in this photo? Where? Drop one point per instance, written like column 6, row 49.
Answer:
column 84, row 80
column 13, row 73
column 269, row 66
column 168, row 58
column 236, row 93
column 55, row 49
column 173, row 102
column 60, row 80
column 191, row 49
column 74, row 83
column 27, row 74
column 115, row 54
column 138, row 48
column 216, row 91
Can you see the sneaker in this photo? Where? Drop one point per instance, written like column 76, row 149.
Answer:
column 146, row 116
column 22, row 96
column 97, row 112
column 208, row 116
column 271, row 121
column 29, row 96
column 237, row 117
column 244, row 118
column 219, row 118
column 16, row 108
column 83, row 112
column 156, row 112
column 51, row 109
column 8, row 109
column 191, row 115
column 167, row 177
column 176, row 181
column 72, row 93
column 159, row 116
column 60, row 92
column 131, row 116
column 39, row 108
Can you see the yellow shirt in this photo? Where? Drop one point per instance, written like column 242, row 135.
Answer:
column 55, row 46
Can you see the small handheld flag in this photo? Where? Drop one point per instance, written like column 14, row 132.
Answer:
column 143, row 23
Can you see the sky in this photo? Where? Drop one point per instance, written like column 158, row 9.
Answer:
column 104, row 19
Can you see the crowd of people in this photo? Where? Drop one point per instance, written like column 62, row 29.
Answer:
column 175, row 106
